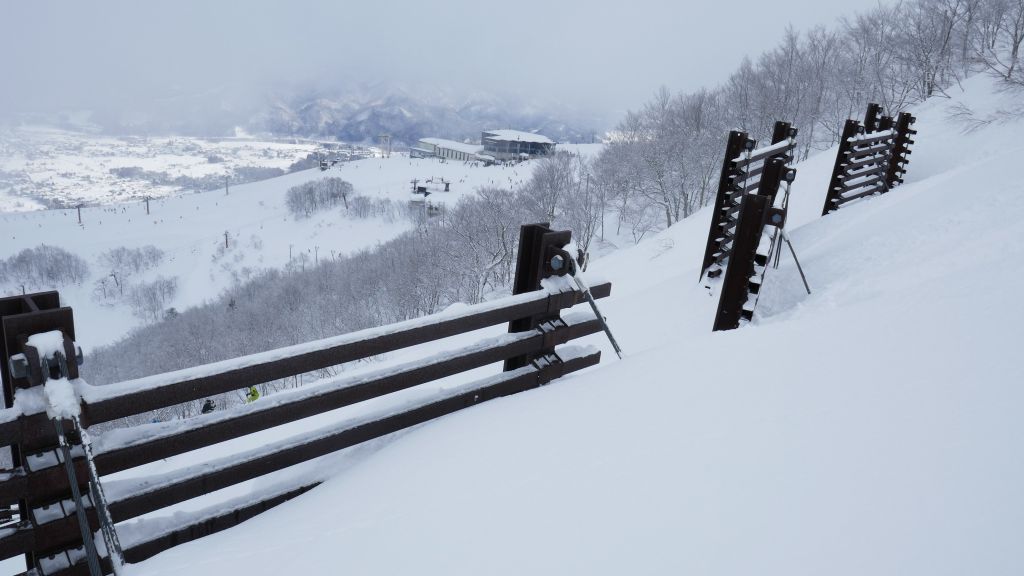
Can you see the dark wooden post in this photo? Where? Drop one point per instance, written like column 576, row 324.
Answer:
column 872, row 117
column 782, row 131
column 835, row 184
column 901, row 149
column 736, row 286
column 720, row 217
column 21, row 317
column 771, row 177
column 537, row 245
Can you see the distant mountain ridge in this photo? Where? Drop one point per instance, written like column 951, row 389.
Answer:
column 407, row 117
column 359, row 113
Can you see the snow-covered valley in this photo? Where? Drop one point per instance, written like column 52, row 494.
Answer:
column 213, row 240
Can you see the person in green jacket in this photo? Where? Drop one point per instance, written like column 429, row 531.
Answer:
column 252, row 395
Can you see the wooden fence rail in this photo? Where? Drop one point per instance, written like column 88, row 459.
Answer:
column 48, row 533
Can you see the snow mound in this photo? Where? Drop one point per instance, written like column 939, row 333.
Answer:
column 872, row 427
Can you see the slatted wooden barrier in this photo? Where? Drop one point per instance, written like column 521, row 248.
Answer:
column 45, row 530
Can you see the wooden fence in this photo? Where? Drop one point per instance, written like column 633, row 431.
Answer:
column 45, row 529
column 741, row 175
column 872, row 157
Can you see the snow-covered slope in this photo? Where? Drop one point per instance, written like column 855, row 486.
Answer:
column 261, row 233
column 871, row 428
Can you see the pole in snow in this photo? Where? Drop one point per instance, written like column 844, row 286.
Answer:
column 793, row 252
column 582, row 285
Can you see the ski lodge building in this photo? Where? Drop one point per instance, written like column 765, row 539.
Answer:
column 441, row 148
column 515, row 145
column 496, row 145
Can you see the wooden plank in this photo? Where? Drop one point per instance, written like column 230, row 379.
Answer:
column 859, row 152
column 876, row 169
column 16, row 542
column 42, row 486
column 204, row 527
column 144, row 550
column 32, row 432
column 314, row 403
column 162, row 496
column 194, row 388
column 769, row 151
column 871, row 138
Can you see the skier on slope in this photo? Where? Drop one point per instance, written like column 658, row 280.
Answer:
column 252, row 395
column 208, row 406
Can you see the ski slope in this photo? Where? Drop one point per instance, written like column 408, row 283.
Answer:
column 870, row 428
column 261, row 233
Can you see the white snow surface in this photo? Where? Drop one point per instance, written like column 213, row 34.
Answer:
column 47, row 343
column 61, row 400
column 454, row 145
column 518, row 135
column 872, row 427
column 190, row 230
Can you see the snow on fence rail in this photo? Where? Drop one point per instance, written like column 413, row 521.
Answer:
column 47, row 532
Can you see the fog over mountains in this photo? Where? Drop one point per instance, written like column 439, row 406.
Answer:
column 364, row 113
column 358, row 113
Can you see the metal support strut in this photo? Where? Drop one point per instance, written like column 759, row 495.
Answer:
column 582, row 285
column 795, row 259
column 96, row 495
column 83, row 521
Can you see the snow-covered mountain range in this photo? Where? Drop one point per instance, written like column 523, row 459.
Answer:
column 353, row 113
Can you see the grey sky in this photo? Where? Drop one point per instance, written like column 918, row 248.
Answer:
column 596, row 55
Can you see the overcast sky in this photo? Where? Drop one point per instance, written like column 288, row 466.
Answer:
column 593, row 54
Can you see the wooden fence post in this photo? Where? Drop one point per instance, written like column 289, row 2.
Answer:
column 538, row 244
column 735, row 288
column 721, row 218
column 872, row 118
column 901, row 149
column 20, row 318
column 835, row 184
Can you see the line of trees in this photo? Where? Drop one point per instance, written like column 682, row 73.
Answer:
column 661, row 166
column 43, row 267
column 664, row 158
column 308, row 198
